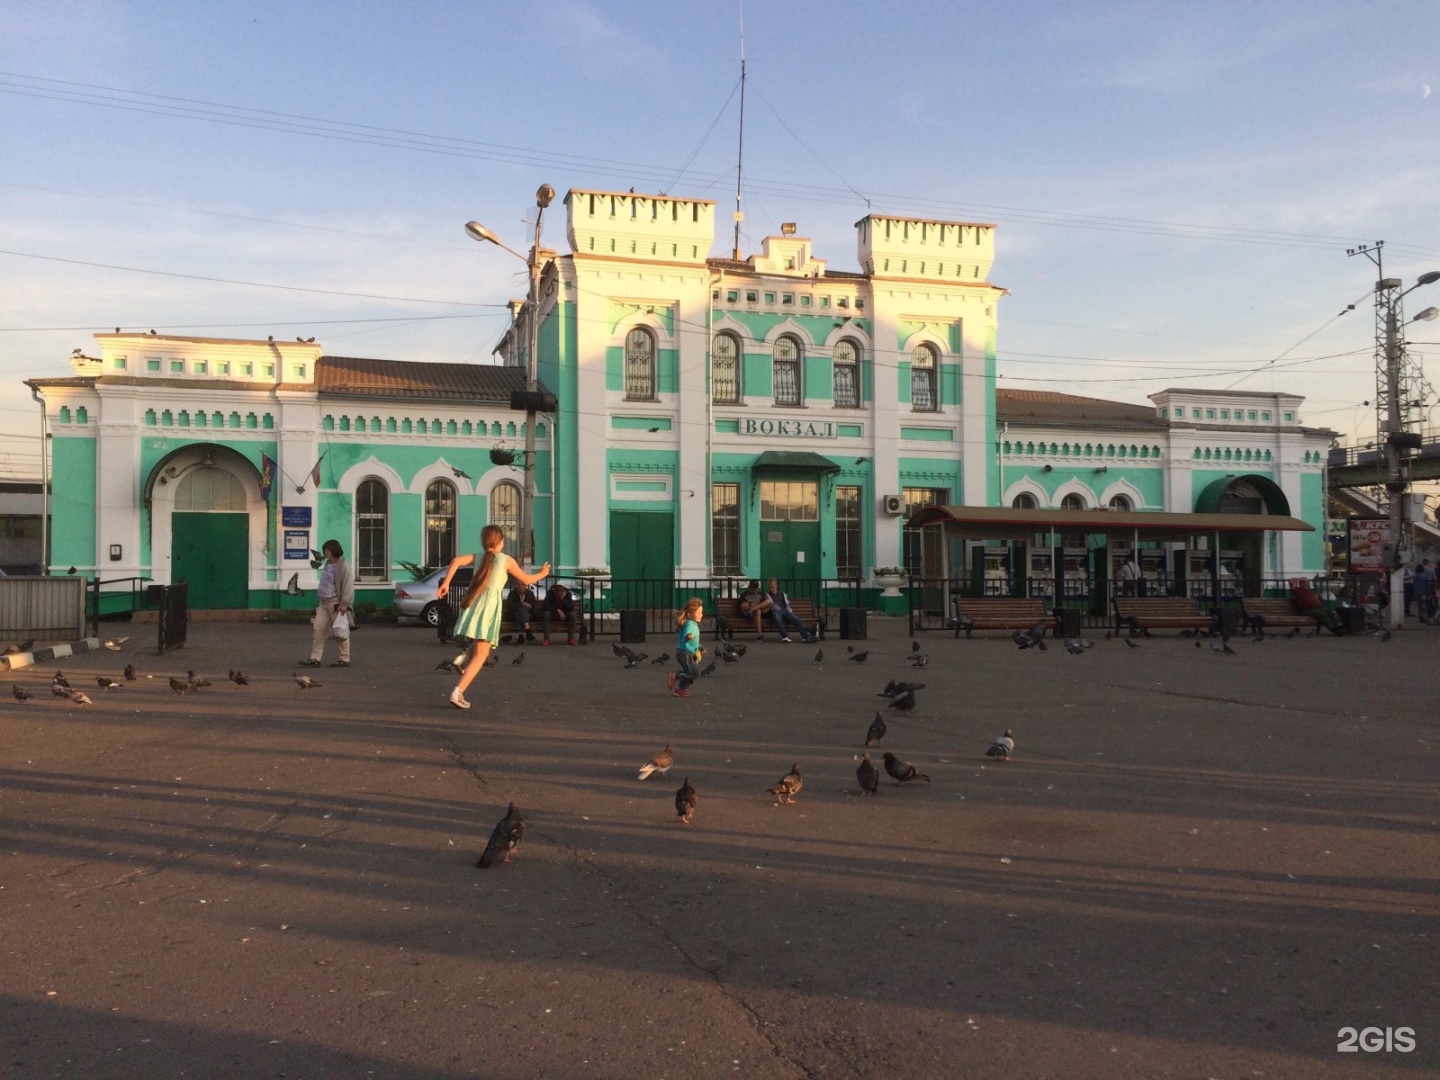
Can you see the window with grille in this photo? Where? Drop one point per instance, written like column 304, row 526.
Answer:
column 847, row 375
column 439, row 523
column 787, row 371
column 1073, row 502
column 1120, row 502
column 639, row 365
column 725, row 369
column 849, row 561
column 505, row 512
column 1024, row 501
column 924, row 396
column 725, row 529
column 915, row 541
column 372, row 531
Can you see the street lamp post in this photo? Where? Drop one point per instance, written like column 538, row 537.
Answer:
column 544, row 196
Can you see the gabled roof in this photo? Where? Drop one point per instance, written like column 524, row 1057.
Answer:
column 353, row 376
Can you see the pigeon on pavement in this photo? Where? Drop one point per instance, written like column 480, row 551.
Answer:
column 305, row 682
column 868, row 775
column 60, row 690
column 20, row 693
column 180, row 686
column 860, row 657
column 239, row 678
column 80, row 697
column 60, row 680
column 509, row 831
column 197, row 681
column 663, row 658
column 708, row 669
column 115, row 644
column 904, row 703
column 129, row 672
column 1135, row 644
column 660, row 763
column 902, row 771
column 919, row 660
column 518, row 660
column 788, row 786
column 914, row 646
column 877, row 730
column 685, row 800
column 1003, row 746
column 819, row 656
column 107, row 683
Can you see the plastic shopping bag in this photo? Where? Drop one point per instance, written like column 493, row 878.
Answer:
column 340, row 628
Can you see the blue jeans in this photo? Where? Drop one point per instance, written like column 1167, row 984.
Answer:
column 785, row 615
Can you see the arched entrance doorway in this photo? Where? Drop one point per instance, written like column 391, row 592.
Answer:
column 205, row 507
column 1242, row 554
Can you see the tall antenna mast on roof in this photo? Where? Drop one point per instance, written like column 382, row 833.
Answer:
column 740, row 154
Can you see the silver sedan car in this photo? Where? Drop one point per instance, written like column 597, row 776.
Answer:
column 416, row 599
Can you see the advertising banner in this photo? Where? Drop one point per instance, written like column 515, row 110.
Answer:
column 1369, row 545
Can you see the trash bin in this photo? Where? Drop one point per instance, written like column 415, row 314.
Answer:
column 1068, row 622
column 852, row 623
column 632, row 626
column 1227, row 620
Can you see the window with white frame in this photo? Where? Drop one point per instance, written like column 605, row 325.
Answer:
column 924, row 395
column 1073, row 502
column 725, row 529
column 787, row 389
column 439, row 523
column 372, row 531
column 505, row 512
column 1120, row 502
column 725, row 369
column 1024, row 501
column 847, row 374
column 849, row 560
column 639, row 365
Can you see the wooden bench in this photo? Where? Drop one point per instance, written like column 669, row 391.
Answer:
column 729, row 619
column 1000, row 613
column 1160, row 613
column 1275, row 611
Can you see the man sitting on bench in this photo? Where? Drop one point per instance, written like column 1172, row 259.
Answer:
column 783, row 613
column 1307, row 602
column 755, row 603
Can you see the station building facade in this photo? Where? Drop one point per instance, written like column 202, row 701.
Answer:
column 717, row 417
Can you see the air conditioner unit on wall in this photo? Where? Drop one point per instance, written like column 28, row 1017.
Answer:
column 894, row 505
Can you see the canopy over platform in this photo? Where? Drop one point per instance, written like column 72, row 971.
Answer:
column 1008, row 523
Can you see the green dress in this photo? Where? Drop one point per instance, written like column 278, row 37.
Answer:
column 481, row 621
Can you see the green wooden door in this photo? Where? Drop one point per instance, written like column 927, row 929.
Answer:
column 642, row 548
column 209, row 552
column 790, row 550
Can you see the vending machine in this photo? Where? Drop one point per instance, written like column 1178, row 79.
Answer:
column 1198, row 573
column 1075, row 563
column 1155, row 572
column 990, row 571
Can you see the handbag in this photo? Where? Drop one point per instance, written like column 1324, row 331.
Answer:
column 340, row 628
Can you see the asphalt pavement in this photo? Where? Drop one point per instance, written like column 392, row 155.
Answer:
column 1196, row 865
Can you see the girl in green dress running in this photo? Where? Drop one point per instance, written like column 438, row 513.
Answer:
column 481, row 616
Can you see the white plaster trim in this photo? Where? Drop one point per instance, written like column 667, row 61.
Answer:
column 439, row 470
column 667, row 495
column 1074, row 487
column 1027, row 486
column 358, row 473
column 1123, row 487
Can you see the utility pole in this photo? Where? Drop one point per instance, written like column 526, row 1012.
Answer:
column 1398, row 400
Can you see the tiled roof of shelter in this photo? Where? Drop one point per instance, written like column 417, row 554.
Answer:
column 1047, row 406
column 356, row 376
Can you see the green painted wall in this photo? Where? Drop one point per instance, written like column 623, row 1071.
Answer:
column 72, row 503
column 1312, row 510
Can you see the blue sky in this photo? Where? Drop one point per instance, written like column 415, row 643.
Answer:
column 1174, row 186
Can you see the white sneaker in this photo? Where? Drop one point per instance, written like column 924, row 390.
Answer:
column 458, row 699
column 786, row 640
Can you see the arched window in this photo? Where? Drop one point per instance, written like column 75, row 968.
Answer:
column 1073, row 502
column 439, row 523
column 1121, row 502
column 847, row 374
column 787, row 389
column 639, row 365
column 210, row 489
column 923, row 395
column 372, row 531
column 725, row 369
column 505, row 511
column 1024, row 501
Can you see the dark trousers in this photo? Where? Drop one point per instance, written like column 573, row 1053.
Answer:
column 570, row 615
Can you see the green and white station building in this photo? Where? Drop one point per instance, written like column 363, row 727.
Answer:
column 718, row 418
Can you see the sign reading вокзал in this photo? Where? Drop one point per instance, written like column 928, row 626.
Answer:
column 787, row 429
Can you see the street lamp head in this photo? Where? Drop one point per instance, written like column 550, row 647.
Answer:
column 1428, row 278
column 1427, row 315
column 476, row 231
column 545, row 195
